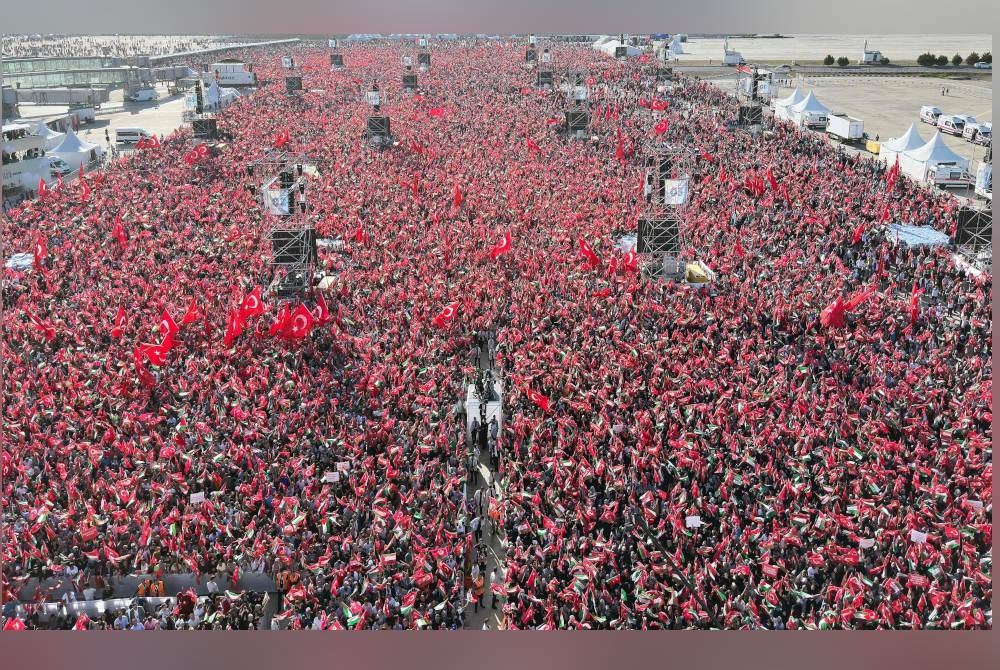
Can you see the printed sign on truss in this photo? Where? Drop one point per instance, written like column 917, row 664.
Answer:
column 675, row 191
column 373, row 98
column 287, row 62
column 332, row 44
column 276, row 201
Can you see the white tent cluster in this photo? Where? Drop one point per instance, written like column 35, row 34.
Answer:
column 801, row 109
column 916, row 163
column 75, row 151
column 609, row 44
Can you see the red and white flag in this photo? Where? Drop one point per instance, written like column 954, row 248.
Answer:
column 539, row 400
column 501, row 247
column 446, row 315
column 119, row 327
column 300, row 323
column 592, row 258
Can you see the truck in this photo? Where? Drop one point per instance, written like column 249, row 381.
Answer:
column 847, row 128
column 143, row 95
column 948, row 175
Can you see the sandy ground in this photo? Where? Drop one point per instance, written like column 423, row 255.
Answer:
column 813, row 48
column 888, row 105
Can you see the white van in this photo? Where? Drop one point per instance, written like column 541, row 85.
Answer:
column 131, row 135
column 144, row 95
column 58, row 167
column 978, row 133
column 948, row 175
column 950, row 124
column 929, row 114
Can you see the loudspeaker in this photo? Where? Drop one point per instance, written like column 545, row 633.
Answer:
column 199, row 98
column 410, row 82
column 293, row 247
column 337, row 60
column 293, row 84
column 205, row 128
column 378, row 125
column 286, row 180
column 577, row 119
column 750, row 115
column 424, row 59
column 531, row 55
column 545, row 78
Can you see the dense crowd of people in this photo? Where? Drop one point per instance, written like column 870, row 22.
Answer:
column 113, row 46
column 804, row 443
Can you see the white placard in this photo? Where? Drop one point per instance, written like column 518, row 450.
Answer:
column 372, row 97
column 675, row 191
column 866, row 543
column 197, row 498
column 344, row 466
column 287, row 62
column 332, row 44
column 974, row 504
column 918, row 537
column 331, row 477
column 692, row 521
column 531, row 39
column 422, row 42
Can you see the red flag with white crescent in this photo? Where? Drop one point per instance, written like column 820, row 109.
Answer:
column 501, row 247
column 446, row 315
column 119, row 328
column 539, row 400
column 592, row 258
column 300, row 323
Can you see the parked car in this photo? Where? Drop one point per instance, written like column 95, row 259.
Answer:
column 929, row 114
column 131, row 135
column 952, row 125
column 983, row 66
column 58, row 167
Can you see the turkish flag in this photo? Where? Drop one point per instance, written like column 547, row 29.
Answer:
column 857, row 234
column 437, row 112
column 192, row 314
column 84, row 189
column 631, row 261
column 592, row 258
column 41, row 250
column 532, row 146
column 539, row 400
column 234, row 326
column 202, row 149
column 251, row 306
column 771, row 179
column 446, row 315
column 281, row 139
column 119, row 328
column 44, row 327
column 658, row 105
column 707, row 156
column 915, row 294
column 43, row 188
column 157, row 353
column 501, row 247
column 119, row 231
column 457, row 196
column 833, row 315
column 322, row 311
column 281, row 322
column 167, row 325
column 662, row 126
column 300, row 323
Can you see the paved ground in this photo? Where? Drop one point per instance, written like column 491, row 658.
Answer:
column 161, row 116
column 888, row 105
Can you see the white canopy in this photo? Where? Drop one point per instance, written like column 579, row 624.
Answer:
column 782, row 107
column 608, row 45
column 810, row 105
column 916, row 162
column 52, row 137
column 908, row 141
column 795, row 98
column 676, row 46
column 76, row 151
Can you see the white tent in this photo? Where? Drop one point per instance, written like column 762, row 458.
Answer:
column 917, row 162
column 908, row 141
column 809, row 112
column 608, row 45
column 676, row 47
column 75, row 151
column 782, row 106
column 52, row 137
